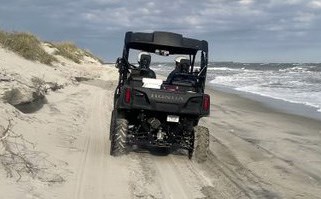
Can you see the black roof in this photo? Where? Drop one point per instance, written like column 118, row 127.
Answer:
column 172, row 42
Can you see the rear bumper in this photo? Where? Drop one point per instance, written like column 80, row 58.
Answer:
column 162, row 101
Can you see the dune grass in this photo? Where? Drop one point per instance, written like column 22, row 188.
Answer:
column 29, row 47
column 89, row 54
column 70, row 51
column 26, row 45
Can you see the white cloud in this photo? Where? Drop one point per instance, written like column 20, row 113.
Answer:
column 286, row 2
column 315, row 4
column 216, row 20
column 293, row 2
column 304, row 17
column 246, row 2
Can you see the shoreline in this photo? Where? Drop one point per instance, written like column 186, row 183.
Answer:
column 277, row 105
column 256, row 105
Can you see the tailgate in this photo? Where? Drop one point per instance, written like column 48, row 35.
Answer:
column 166, row 101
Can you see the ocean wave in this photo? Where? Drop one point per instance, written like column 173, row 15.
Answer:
column 224, row 69
column 295, row 69
column 273, row 84
column 315, row 68
column 302, row 69
column 293, row 83
column 309, row 99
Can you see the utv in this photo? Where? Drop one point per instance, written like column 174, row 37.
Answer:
column 166, row 115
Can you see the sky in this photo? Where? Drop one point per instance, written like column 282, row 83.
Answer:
column 236, row 30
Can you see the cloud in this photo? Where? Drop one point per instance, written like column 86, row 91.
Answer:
column 101, row 24
column 304, row 17
column 286, row 2
column 246, row 2
column 316, row 4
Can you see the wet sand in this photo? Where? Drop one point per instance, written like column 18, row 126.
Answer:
column 283, row 149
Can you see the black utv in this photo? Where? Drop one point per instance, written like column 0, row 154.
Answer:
column 150, row 112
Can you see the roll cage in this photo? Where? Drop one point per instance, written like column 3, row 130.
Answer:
column 163, row 43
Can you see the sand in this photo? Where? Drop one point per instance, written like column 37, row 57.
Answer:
column 255, row 151
column 278, row 149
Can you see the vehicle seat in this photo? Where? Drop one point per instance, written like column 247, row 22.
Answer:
column 184, row 79
column 136, row 76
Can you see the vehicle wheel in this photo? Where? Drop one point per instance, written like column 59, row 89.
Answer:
column 201, row 143
column 112, row 124
column 119, row 138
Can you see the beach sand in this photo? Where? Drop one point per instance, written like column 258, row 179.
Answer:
column 255, row 151
column 280, row 149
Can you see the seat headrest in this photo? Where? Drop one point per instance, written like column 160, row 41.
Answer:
column 144, row 60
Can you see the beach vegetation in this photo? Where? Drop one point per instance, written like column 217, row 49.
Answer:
column 30, row 47
column 70, row 51
column 26, row 45
column 89, row 54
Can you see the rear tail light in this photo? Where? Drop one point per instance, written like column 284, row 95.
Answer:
column 206, row 102
column 128, row 95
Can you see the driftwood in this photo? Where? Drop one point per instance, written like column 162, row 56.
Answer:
column 19, row 160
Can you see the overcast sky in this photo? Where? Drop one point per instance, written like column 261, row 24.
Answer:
column 237, row 30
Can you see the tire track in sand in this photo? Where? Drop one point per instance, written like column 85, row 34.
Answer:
column 91, row 163
column 170, row 176
column 99, row 175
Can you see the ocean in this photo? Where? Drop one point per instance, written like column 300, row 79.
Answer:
column 294, row 83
